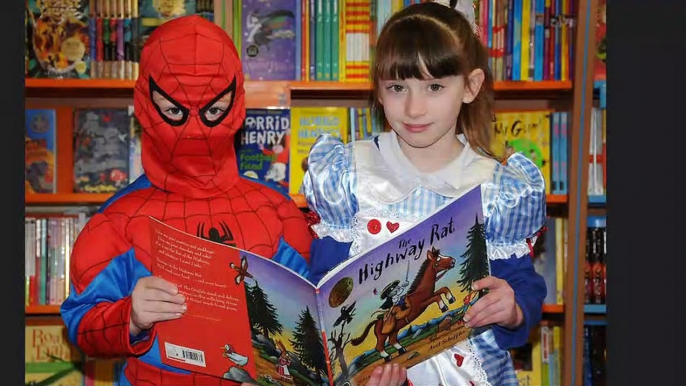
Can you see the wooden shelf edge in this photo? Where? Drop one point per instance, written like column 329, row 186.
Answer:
column 556, row 199
column 597, row 200
column 79, row 83
column 553, row 308
column 546, row 85
column 595, row 309
column 52, row 309
column 278, row 86
column 299, row 200
column 66, row 198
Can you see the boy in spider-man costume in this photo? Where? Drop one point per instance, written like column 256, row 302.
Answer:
column 189, row 99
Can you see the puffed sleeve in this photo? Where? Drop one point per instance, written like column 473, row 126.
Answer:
column 515, row 211
column 328, row 187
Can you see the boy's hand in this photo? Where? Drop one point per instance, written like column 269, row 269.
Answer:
column 388, row 375
column 497, row 307
column 153, row 300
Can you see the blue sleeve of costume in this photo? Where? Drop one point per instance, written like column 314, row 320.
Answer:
column 325, row 254
column 291, row 259
column 530, row 290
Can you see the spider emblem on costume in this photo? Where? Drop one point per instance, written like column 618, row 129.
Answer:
column 213, row 234
column 189, row 100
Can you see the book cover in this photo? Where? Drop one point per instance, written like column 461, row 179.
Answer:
column 58, row 41
column 135, row 137
column 404, row 301
column 545, row 260
column 400, row 302
column 527, row 360
column 600, row 68
column 556, row 156
column 101, row 150
column 49, row 356
column 40, row 151
column 268, row 45
column 264, row 146
column 526, row 132
column 215, row 301
column 565, row 125
column 154, row 13
column 308, row 124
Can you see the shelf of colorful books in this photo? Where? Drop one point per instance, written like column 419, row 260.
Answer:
column 261, row 93
column 50, row 309
column 553, row 308
column 595, row 308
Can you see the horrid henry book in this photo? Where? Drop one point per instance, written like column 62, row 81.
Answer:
column 263, row 146
column 252, row 320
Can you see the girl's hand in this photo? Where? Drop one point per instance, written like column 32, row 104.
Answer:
column 497, row 307
column 388, row 375
column 153, row 300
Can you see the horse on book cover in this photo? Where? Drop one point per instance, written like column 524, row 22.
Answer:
column 422, row 294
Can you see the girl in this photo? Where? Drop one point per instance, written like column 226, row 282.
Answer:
column 433, row 87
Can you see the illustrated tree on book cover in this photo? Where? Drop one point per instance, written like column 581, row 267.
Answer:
column 263, row 315
column 339, row 338
column 475, row 265
column 307, row 343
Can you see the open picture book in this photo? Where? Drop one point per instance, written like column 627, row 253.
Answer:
column 252, row 320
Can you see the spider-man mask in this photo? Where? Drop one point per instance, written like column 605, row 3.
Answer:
column 189, row 99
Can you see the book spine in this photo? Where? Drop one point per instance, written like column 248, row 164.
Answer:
column 335, row 42
column 313, row 40
column 556, row 153
column 517, row 41
column 298, row 39
column 319, row 40
column 564, row 121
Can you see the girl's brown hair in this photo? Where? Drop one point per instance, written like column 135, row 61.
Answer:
column 430, row 37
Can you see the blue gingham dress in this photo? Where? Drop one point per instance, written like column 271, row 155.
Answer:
column 349, row 184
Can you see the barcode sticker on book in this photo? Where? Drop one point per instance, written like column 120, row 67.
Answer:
column 185, row 354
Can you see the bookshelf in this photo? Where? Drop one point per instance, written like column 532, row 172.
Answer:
column 576, row 96
column 578, row 203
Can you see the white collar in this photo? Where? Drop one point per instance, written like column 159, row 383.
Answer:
column 466, row 171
